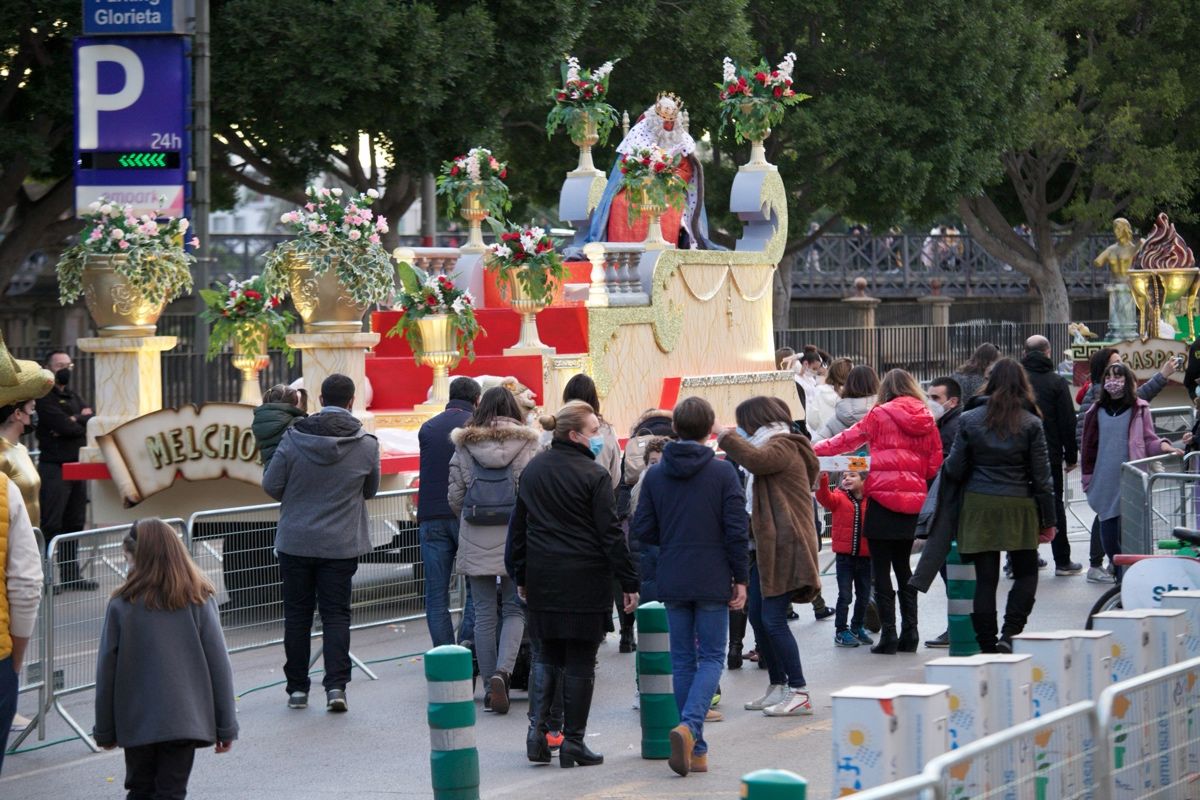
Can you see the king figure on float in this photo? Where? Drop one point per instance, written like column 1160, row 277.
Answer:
column 659, row 127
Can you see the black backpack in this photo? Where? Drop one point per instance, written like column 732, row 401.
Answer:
column 491, row 496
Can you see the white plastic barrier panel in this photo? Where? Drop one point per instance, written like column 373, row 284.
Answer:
column 1055, row 686
column 1010, row 678
column 924, row 712
column 1132, row 656
column 970, row 708
column 1094, row 653
column 1168, row 631
column 867, row 739
column 1189, row 601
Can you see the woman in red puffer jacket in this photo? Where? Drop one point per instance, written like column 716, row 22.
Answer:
column 906, row 453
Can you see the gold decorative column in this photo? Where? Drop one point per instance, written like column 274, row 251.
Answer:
column 128, row 371
column 474, row 213
column 249, row 361
column 439, row 349
column 324, row 354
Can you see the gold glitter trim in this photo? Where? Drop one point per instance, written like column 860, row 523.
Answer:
column 735, row 379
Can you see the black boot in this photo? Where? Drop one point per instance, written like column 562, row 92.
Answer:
column 577, row 704
column 628, row 644
column 737, row 632
column 542, row 683
column 909, row 638
column 985, row 631
column 888, row 643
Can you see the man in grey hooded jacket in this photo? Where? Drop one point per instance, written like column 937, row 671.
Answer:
column 325, row 469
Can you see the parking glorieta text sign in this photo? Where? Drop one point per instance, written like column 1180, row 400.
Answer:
column 123, row 17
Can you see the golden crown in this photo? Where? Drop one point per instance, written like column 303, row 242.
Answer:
column 665, row 111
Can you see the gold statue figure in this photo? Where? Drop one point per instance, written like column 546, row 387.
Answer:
column 1118, row 257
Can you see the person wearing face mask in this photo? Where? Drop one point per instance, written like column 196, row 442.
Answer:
column 21, row 384
column 566, row 546
column 63, row 415
column 1117, row 428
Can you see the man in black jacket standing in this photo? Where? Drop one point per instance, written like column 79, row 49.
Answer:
column 61, row 431
column 438, row 524
column 1053, row 396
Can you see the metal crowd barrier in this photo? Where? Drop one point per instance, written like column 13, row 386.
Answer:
column 1052, row 757
column 1150, row 729
column 72, row 621
column 1156, row 497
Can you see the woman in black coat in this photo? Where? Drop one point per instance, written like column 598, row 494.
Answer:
column 999, row 457
column 566, row 547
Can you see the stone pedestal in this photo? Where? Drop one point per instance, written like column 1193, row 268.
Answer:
column 324, row 354
column 862, row 316
column 1122, row 313
column 939, row 309
column 128, row 382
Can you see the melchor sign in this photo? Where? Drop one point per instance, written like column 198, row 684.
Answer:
column 147, row 455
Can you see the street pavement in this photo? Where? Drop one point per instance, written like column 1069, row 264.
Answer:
column 381, row 748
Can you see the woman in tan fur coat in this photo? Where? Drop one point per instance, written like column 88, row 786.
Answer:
column 783, row 541
column 496, row 441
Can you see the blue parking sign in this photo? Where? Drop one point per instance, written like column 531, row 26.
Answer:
column 132, row 116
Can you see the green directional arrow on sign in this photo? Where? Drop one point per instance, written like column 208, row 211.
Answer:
column 123, row 160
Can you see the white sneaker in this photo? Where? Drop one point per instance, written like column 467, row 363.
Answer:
column 1099, row 575
column 776, row 693
column 795, row 704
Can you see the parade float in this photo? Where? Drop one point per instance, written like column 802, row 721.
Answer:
column 1151, row 300
column 639, row 299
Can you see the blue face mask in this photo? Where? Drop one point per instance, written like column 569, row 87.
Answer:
column 596, row 443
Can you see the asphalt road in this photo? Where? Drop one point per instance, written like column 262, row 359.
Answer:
column 381, row 748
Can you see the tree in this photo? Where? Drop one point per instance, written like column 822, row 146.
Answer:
column 422, row 81
column 912, row 104
column 1111, row 134
column 36, row 189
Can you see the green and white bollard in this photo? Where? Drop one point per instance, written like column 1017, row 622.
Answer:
column 453, row 760
column 960, row 594
column 659, row 712
column 774, row 784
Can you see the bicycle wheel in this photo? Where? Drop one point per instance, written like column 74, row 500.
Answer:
column 1109, row 601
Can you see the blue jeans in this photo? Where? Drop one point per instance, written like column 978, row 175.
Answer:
column 772, row 636
column 8, row 703
column 699, row 633
column 439, row 545
column 853, row 576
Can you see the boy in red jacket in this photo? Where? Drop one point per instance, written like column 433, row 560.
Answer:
column 853, row 558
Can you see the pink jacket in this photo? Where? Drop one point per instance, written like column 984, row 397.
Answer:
column 1143, row 441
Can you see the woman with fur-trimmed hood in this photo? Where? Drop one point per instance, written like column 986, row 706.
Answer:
column 494, row 440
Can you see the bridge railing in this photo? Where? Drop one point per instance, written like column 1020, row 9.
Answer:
column 906, row 265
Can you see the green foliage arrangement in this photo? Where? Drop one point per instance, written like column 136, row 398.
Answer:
column 581, row 99
column 526, row 255
column 154, row 264
column 754, row 98
column 330, row 235
column 652, row 177
column 240, row 313
column 423, row 296
column 477, row 171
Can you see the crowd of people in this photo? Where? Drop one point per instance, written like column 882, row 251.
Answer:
column 554, row 522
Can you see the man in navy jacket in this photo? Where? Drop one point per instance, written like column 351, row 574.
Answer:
column 438, row 524
column 693, row 508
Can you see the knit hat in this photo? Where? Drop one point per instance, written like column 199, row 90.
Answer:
column 21, row 381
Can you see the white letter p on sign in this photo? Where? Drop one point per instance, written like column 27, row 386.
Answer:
column 91, row 102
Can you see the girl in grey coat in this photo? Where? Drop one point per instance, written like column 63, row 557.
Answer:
column 494, row 439
column 164, row 685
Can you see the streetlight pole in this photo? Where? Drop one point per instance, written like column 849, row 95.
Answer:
column 202, row 194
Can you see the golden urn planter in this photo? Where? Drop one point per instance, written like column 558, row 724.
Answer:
column 440, row 350
column 118, row 309
column 321, row 300
column 654, row 235
column 591, row 135
column 529, row 343
column 474, row 213
column 250, row 358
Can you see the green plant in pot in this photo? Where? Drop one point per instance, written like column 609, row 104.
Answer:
column 580, row 107
column 528, row 271
column 126, row 267
column 244, row 314
column 754, row 99
column 336, row 266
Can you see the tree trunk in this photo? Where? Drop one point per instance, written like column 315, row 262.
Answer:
column 37, row 225
column 781, row 292
column 1056, row 303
